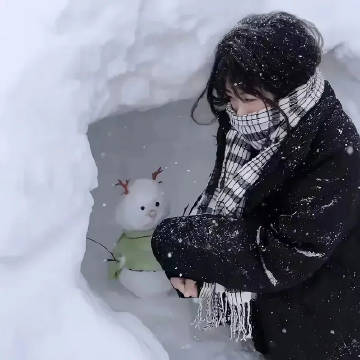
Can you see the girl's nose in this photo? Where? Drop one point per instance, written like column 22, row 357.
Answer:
column 152, row 213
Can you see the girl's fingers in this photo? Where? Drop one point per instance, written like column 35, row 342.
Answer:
column 187, row 286
column 190, row 288
column 178, row 283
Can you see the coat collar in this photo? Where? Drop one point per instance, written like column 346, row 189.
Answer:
column 291, row 152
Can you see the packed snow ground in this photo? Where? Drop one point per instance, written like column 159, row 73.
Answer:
column 65, row 65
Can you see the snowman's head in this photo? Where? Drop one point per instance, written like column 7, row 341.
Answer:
column 142, row 206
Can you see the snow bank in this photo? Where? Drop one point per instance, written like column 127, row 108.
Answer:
column 64, row 65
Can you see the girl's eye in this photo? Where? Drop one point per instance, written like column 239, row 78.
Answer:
column 245, row 100
column 142, row 207
column 157, row 204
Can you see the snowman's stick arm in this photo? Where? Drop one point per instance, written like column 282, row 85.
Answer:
column 112, row 254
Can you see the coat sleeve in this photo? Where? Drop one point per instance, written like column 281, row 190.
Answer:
column 249, row 255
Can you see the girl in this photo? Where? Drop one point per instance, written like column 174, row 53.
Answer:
column 271, row 245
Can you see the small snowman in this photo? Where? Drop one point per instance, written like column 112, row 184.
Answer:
column 141, row 208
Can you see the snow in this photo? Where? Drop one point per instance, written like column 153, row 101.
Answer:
column 309, row 253
column 66, row 65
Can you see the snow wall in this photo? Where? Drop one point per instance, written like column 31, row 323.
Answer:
column 64, row 65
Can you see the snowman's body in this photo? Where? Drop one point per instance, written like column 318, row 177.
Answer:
column 137, row 269
column 145, row 283
column 139, row 212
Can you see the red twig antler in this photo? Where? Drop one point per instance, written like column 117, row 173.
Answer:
column 156, row 173
column 124, row 185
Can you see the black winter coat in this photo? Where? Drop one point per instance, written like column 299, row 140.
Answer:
column 305, row 208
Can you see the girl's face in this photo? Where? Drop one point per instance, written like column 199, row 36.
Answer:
column 247, row 103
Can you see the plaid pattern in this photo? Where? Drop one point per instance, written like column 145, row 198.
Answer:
column 263, row 131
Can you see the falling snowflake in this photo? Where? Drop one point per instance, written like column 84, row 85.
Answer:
column 349, row 149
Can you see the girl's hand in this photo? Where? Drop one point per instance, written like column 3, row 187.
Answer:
column 186, row 286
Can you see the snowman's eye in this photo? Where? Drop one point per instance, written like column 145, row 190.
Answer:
column 142, row 207
column 157, row 204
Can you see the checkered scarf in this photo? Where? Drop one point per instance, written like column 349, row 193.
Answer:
column 262, row 131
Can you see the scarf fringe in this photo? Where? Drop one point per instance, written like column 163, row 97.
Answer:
column 213, row 311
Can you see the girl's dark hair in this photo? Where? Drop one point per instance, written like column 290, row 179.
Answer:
column 276, row 51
